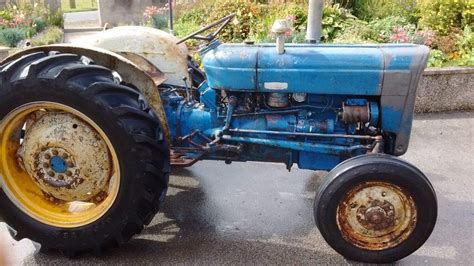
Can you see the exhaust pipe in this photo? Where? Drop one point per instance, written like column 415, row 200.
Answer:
column 315, row 18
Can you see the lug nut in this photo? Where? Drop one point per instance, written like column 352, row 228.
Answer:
column 46, row 165
column 51, row 173
column 47, row 156
column 68, row 173
column 55, row 152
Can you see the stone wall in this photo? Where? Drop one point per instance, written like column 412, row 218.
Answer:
column 125, row 12
column 446, row 90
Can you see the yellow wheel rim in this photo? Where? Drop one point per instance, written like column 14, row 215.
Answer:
column 28, row 193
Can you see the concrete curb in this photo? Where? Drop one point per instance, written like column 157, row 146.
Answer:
column 82, row 29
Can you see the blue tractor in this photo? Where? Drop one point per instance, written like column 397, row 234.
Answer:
column 88, row 133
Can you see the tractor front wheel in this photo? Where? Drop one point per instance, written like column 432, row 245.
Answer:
column 83, row 161
column 375, row 208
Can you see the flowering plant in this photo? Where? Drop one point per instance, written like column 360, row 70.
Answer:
column 406, row 35
column 156, row 16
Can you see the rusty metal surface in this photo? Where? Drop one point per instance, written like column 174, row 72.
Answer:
column 128, row 70
column 180, row 159
column 356, row 114
column 88, row 166
column 376, row 216
column 157, row 76
column 156, row 46
column 278, row 100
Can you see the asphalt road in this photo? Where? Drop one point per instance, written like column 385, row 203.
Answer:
column 249, row 213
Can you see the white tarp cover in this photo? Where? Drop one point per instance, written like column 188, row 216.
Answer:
column 14, row 252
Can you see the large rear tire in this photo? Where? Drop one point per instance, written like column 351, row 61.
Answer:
column 376, row 209
column 83, row 160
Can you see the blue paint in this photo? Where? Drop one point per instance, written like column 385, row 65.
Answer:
column 238, row 63
column 208, row 97
column 356, row 102
column 330, row 75
column 58, row 164
column 318, row 161
column 374, row 113
column 322, row 70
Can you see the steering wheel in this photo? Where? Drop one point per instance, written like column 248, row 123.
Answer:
column 195, row 35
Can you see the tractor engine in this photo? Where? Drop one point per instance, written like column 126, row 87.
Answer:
column 279, row 127
column 312, row 105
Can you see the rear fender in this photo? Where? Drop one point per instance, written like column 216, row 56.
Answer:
column 136, row 70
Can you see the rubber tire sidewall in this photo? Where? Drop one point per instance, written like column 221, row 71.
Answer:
column 379, row 168
column 114, row 221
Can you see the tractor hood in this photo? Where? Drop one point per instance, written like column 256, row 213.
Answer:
column 317, row 69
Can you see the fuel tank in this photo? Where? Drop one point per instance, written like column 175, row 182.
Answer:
column 318, row 69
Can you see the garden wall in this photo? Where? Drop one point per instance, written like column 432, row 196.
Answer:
column 446, row 89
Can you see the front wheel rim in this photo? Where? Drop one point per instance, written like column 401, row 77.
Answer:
column 376, row 216
column 48, row 183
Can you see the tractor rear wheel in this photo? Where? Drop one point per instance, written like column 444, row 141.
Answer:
column 375, row 208
column 83, row 160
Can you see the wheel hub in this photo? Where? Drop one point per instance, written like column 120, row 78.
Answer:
column 379, row 216
column 66, row 157
column 376, row 215
column 57, row 168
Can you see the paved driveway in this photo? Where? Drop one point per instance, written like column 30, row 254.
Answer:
column 260, row 213
column 81, row 19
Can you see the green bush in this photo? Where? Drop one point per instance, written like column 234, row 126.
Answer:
column 159, row 21
column 51, row 35
column 296, row 14
column 55, row 19
column 237, row 31
column 376, row 9
column 447, row 29
column 383, row 29
column 437, row 58
column 357, row 31
column 39, row 24
column 11, row 37
column 335, row 19
column 240, row 28
column 443, row 15
column 465, row 46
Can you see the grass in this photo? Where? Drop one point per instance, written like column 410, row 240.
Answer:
column 50, row 35
column 81, row 5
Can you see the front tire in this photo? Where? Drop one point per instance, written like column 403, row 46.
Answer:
column 84, row 163
column 375, row 209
